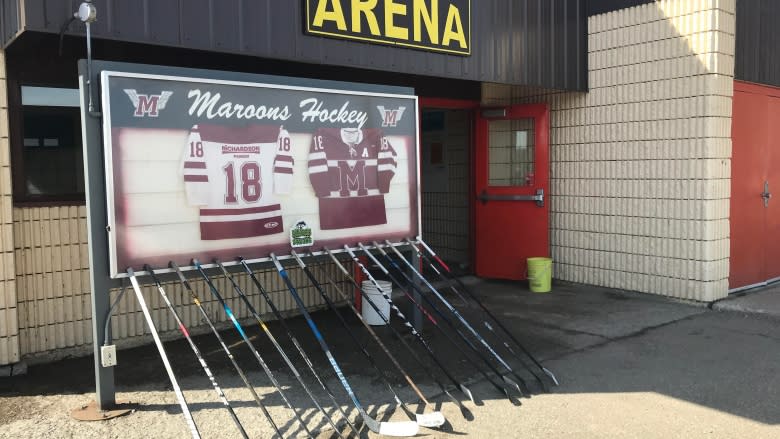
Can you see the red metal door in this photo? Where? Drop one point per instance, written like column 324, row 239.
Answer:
column 511, row 186
column 772, row 209
column 748, row 173
column 755, row 175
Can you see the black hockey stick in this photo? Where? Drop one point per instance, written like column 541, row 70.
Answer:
column 454, row 312
column 175, row 384
column 229, row 354
column 286, row 359
column 441, row 329
column 281, row 319
column 481, row 305
column 251, row 346
column 196, row 351
column 430, row 420
column 487, row 325
column 450, row 280
column 411, row 328
column 405, row 429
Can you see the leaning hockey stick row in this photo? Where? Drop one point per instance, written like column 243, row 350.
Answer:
column 408, row 428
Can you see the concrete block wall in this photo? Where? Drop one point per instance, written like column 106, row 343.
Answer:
column 9, row 326
column 52, row 283
column 445, row 207
column 640, row 165
column 52, row 276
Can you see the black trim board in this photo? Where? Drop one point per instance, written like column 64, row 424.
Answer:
column 595, row 7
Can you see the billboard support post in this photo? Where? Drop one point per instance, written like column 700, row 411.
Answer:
column 99, row 280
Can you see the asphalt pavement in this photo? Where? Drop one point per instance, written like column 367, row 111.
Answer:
column 629, row 365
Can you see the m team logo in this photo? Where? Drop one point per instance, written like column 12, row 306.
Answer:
column 390, row 118
column 148, row 105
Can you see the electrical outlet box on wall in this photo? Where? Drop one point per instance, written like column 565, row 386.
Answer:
column 108, row 356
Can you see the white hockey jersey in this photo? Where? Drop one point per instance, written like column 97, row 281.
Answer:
column 233, row 174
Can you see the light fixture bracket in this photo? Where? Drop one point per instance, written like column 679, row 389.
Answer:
column 87, row 12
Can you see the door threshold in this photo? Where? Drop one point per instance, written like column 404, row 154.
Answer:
column 753, row 286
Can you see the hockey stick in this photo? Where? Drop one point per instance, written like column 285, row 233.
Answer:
column 197, row 353
column 405, row 428
column 454, row 312
column 395, row 332
column 448, row 278
column 430, row 420
column 240, row 371
column 446, row 333
column 292, row 337
column 487, row 325
column 411, row 328
column 290, row 365
column 251, row 346
column 176, row 389
column 481, row 305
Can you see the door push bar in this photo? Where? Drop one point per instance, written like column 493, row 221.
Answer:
column 766, row 195
column 484, row 197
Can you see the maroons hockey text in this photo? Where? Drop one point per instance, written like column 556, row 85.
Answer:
column 344, row 116
column 204, row 103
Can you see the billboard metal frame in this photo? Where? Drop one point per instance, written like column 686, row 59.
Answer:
column 109, row 177
column 101, row 282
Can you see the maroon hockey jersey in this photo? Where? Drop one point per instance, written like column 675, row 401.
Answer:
column 350, row 170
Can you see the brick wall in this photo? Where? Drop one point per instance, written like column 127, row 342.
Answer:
column 640, row 165
column 9, row 328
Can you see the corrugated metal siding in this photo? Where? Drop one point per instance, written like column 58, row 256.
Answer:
column 757, row 41
column 52, row 281
column 10, row 19
column 538, row 42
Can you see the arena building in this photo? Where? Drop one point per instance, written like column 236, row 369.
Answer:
column 629, row 140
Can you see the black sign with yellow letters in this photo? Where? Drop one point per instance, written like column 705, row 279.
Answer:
column 433, row 25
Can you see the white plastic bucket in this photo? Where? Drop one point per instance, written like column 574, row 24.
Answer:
column 369, row 315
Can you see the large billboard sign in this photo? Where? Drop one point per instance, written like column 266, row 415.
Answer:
column 204, row 168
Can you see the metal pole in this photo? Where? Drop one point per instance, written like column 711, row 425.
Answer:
column 417, row 317
column 99, row 280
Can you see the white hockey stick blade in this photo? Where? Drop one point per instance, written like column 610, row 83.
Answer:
column 467, row 392
column 550, row 374
column 453, row 399
column 399, row 429
column 430, row 420
column 512, row 384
